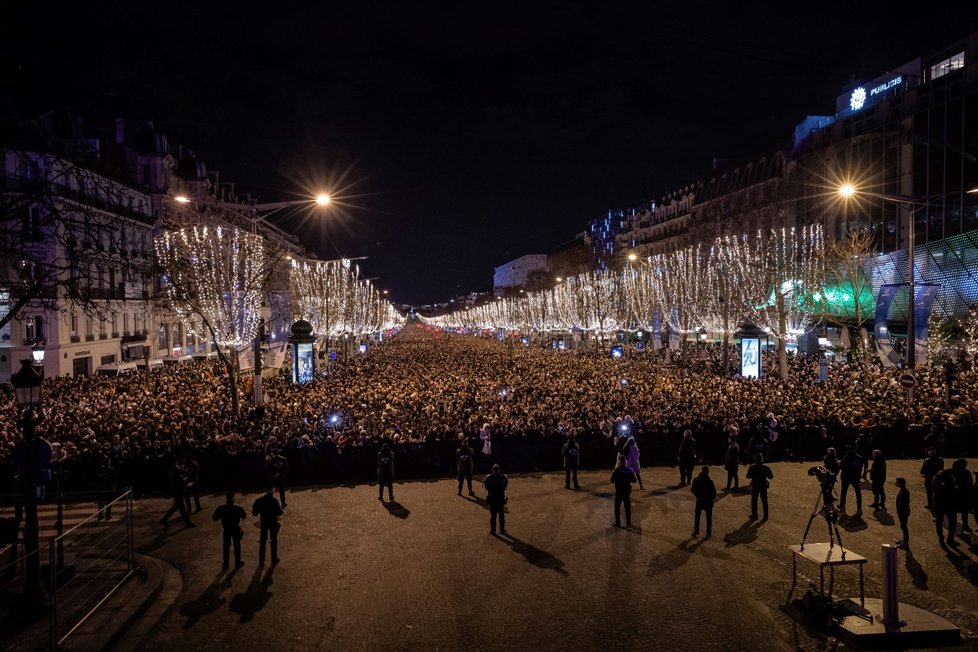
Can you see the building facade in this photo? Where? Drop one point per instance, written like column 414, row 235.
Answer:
column 515, row 273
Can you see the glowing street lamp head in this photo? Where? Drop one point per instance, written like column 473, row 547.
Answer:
column 322, row 199
column 632, row 257
column 182, row 199
column 847, row 190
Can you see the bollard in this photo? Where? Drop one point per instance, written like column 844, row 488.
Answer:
column 891, row 601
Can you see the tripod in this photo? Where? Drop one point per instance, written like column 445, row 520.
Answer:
column 823, row 506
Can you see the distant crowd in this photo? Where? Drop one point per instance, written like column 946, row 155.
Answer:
column 424, row 385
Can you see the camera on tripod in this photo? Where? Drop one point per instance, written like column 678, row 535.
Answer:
column 825, row 477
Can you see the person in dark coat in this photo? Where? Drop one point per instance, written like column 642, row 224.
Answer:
column 760, row 475
column 385, row 472
column 267, row 509
column 107, row 482
column 623, row 478
column 178, row 483
column 277, row 469
column 731, row 464
column 877, row 476
column 945, row 505
column 465, row 462
column 230, row 515
column 852, row 467
column 705, row 492
column 496, row 484
column 687, row 458
column 191, row 469
column 903, row 510
column 964, row 487
column 572, row 455
column 930, row 468
column 864, row 443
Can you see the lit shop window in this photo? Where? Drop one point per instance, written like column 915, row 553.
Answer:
column 946, row 66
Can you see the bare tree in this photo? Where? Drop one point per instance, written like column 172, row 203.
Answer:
column 220, row 274
column 846, row 297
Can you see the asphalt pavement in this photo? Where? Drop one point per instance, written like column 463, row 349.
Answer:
column 424, row 572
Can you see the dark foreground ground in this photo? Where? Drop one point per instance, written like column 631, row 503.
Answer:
column 425, row 573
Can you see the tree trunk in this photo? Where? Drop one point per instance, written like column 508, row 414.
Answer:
column 782, row 336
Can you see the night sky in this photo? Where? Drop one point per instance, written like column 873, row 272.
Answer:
column 459, row 135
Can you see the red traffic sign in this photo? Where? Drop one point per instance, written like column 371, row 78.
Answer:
column 908, row 381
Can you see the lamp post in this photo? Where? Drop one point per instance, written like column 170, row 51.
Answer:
column 27, row 390
column 848, row 191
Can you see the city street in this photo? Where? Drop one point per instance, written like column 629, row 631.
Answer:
column 425, row 573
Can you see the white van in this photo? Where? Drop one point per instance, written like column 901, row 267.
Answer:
column 116, row 368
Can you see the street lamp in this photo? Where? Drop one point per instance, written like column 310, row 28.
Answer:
column 27, row 392
column 847, row 191
column 37, row 353
column 322, row 199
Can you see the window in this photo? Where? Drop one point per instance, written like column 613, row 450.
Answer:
column 942, row 68
column 31, row 226
column 34, row 328
column 74, row 325
column 125, row 323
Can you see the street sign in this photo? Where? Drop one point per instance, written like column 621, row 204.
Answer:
column 908, row 381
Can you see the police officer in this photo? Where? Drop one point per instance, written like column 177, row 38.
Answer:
column 687, row 458
column 877, row 476
column 760, row 475
column 903, row 511
column 930, row 468
column 852, row 468
column 705, row 492
column 465, row 462
column 277, row 470
column 495, row 484
column 230, row 515
column 572, row 454
column 385, row 472
column 623, row 478
column 267, row 509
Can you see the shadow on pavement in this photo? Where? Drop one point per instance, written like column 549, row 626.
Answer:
column 662, row 491
column 532, row 554
column 883, row 517
column 395, row 508
column 744, row 534
column 965, row 566
column 254, row 598
column 852, row 523
column 478, row 501
column 209, row 601
column 917, row 573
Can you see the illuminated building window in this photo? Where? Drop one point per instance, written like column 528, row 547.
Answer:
column 946, row 66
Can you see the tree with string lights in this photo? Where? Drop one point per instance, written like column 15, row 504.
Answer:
column 219, row 274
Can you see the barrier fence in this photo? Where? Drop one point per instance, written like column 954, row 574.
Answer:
column 86, row 555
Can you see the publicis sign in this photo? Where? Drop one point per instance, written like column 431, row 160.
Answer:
column 863, row 95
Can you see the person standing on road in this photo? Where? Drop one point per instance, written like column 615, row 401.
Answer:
column 385, row 472
column 230, row 515
column 705, row 492
column 267, row 509
column 464, row 457
column 572, row 455
column 277, row 470
column 852, row 467
column 877, row 476
column 945, row 506
column 731, row 463
column 933, row 465
column 178, row 482
column 496, row 484
column 965, row 487
column 903, row 511
column 191, row 470
column 623, row 478
column 760, row 475
column 687, row 458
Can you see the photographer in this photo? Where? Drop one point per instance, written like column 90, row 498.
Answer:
column 760, row 475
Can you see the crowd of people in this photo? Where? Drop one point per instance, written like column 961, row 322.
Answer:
column 424, row 385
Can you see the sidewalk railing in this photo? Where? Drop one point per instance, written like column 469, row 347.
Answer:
column 80, row 570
